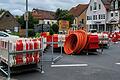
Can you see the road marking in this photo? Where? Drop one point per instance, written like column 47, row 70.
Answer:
column 70, row 65
column 117, row 63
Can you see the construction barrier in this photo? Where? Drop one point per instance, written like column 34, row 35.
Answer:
column 56, row 39
column 114, row 36
column 18, row 55
column 22, row 44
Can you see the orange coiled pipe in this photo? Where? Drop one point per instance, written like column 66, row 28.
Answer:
column 75, row 42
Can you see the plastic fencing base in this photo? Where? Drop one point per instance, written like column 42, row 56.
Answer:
column 4, row 78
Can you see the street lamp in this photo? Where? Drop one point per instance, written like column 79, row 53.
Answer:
column 26, row 18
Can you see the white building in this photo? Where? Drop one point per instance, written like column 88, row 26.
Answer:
column 113, row 16
column 44, row 17
column 103, row 15
column 47, row 21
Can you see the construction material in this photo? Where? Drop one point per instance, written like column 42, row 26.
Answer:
column 75, row 42
column 19, row 55
column 78, row 41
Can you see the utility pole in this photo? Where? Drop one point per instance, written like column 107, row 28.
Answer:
column 26, row 18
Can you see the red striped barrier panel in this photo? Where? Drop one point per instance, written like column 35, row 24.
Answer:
column 22, row 45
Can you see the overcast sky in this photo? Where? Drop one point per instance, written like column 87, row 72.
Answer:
column 17, row 7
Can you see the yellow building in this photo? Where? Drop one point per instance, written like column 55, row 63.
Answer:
column 79, row 13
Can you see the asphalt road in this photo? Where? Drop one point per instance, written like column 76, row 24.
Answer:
column 100, row 67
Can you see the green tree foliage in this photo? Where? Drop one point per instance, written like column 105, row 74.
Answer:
column 32, row 21
column 21, row 20
column 54, row 29
column 2, row 10
column 51, row 31
column 64, row 15
column 37, row 35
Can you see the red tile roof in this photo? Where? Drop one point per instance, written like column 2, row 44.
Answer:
column 78, row 10
column 43, row 14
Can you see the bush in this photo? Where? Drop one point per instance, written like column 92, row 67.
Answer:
column 15, row 33
column 37, row 35
column 55, row 28
column 51, row 31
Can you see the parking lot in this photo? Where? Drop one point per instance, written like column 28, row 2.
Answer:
column 98, row 67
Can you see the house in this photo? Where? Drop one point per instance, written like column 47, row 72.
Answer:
column 79, row 13
column 96, row 15
column 8, row 22
column 113, row 16
column 103, row 15
column 44, row 17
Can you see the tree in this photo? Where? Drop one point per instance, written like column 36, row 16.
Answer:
column 31, row 21
column 57, row 14
column 2, row 10
column 64, row 15
column 54, row 29
column 51, row 31
column 21, row 20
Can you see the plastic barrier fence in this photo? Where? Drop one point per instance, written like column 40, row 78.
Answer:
column 20, row 45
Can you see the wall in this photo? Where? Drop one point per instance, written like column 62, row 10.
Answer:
column 83, row 16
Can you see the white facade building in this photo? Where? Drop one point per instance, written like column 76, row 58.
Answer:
column 96, row 15
column 102, row 14
column 113, row 16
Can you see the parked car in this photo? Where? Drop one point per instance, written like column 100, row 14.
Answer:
column 4, row 34
column 8, row 31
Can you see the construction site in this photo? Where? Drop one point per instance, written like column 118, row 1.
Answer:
column 78, row 53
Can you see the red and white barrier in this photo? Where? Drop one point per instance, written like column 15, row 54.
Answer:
column 103, row 38
column 22, row 44
column 57, row 38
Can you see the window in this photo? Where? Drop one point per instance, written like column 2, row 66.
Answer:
column 99, row 16
column 103, row 16
column 82, row 21
column 116, row 14
column 7, row 15
column 95, row 6
column 99, row 6
column 3, row 35
column 111, row 14
column 116, row 4
column 94, row 17
column 90, row 8
column 89, row 17
column 48, row 22
column 113, row 4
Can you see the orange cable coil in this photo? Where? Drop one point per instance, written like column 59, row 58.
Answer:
column 75, row 42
